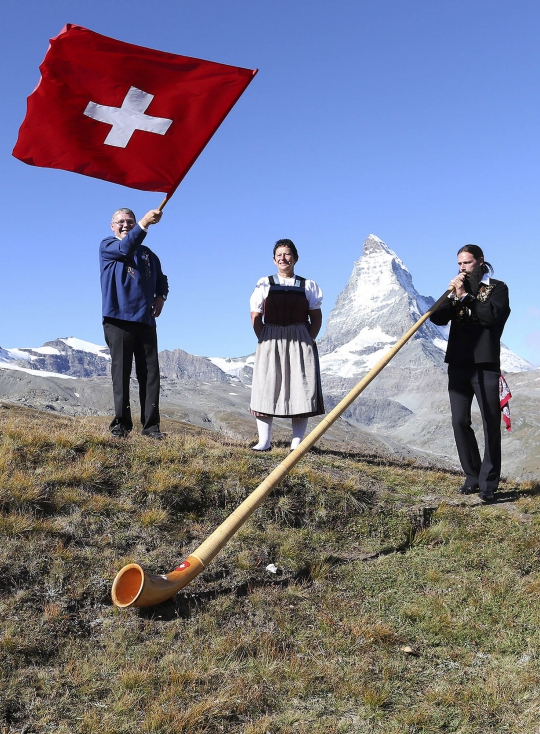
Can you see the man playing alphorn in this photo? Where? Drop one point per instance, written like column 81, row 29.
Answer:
column 477, row 311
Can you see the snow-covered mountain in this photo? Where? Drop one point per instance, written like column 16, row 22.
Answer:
column 71, row 357
column 67, row 357
column 240, row 368
column 377, row 306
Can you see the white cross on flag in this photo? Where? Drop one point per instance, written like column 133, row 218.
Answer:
column 128, row 118
column 127, row 114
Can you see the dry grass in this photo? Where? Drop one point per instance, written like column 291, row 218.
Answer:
column 384, row 617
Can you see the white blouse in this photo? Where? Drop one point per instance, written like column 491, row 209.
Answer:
column 313, row 293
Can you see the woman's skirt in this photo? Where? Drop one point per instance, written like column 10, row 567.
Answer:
column 286, row 373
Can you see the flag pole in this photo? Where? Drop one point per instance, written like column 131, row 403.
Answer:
column 133, row 586
column 162, row 205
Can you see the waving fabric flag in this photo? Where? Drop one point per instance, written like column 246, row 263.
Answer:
column 504, row 398
column 124, row 113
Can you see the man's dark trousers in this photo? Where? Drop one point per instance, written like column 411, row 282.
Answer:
column 482, row 381
column 128, row 339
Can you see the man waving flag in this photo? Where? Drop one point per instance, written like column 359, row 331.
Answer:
column 124, row 113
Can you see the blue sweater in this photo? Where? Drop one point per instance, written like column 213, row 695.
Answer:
column 131, row 277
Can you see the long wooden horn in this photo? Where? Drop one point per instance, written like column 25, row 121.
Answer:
column 133, row 586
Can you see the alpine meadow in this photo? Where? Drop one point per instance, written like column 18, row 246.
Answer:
column 395, row 606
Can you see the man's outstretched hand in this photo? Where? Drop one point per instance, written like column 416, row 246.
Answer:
column 152, row 217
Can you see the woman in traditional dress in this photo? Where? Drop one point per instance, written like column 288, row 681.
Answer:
column 286, row 316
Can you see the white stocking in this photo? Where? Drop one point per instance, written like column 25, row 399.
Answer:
column 264, row 427
column 299, row 426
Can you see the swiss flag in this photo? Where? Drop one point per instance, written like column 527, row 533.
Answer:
column 127, row 114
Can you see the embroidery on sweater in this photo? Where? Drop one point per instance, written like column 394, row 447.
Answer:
column 146, row 259
column 463, row 313
column 484, row 292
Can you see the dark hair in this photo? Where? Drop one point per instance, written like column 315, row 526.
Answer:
column 286, row 243
column 477, row 253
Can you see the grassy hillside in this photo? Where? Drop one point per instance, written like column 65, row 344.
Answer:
column 398, row 606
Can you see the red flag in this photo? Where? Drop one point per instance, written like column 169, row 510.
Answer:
column 504, row 399
column 127, row 114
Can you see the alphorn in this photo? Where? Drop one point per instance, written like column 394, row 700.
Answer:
column 134, row 587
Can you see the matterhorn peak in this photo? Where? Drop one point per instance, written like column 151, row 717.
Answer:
column 374, row 244
column 379, row 303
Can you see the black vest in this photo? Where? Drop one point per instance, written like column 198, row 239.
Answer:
column 286, row 304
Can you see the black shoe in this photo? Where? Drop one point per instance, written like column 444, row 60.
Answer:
column 156, row 435
column 119, row 431
column 261, row 450
column 468, row 489
column 488, row 497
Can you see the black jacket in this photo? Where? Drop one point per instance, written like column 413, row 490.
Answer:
column 476, row 325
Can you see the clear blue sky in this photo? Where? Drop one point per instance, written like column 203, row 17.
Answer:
column 417, row 121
